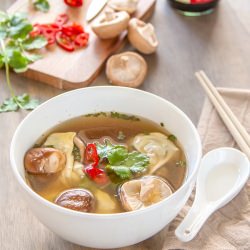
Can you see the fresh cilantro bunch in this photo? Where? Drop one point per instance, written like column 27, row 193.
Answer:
column 42, row 5
column 122, row 163
column 16, row 53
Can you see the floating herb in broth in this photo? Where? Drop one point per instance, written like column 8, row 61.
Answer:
column 122, row 155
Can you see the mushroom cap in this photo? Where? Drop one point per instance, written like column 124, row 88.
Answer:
column 141, row 193
column 44, row 161
column 126, row 69
column 142, row 36
column 110, row 24
column 126, row 5
column 78, row 199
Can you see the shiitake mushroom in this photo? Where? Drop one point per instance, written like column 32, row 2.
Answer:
column 77, row 199
column 44, row 161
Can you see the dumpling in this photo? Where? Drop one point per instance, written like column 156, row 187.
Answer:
column 65, row 143
column 157, row 146
column 141, row 193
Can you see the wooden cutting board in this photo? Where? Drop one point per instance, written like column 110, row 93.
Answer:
column 66, row 70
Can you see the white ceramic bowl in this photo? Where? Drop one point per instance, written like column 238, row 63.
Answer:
column 109, row 230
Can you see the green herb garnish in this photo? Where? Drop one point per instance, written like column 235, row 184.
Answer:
column 122, row 163
column 42, row 5
column 16, row 46
column 96, row 114
column 16, row 102
column 121, row 136
column 162, row 124
column 181, row 163
column 172, row 138
column 124, row 116
column 76, row 153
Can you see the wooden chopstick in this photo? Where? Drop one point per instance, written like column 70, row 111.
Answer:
column 234, row 126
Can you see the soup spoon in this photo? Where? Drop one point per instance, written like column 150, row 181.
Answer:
column 222, row 174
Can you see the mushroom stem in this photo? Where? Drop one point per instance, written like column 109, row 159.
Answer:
column 109, row 15
column 124, row 61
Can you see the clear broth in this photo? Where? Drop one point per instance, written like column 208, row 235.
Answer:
column 107, row 199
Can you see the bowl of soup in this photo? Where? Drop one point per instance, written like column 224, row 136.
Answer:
column 106, row 167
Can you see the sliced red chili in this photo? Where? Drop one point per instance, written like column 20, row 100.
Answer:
column 91, row 154
column 74, row 3
column 64, row 42
column 96, row 174
column 72, row 30
column 62, row 19
column 82, row 39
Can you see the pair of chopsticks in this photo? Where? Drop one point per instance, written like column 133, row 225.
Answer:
column 236, row 129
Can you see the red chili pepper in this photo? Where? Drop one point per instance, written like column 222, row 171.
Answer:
column 72, row 30
column 68, row 37
column 64, row 42
column 91, row 154
column 62, row 19
column 82, row 39
column 74, row 3
column 96, row 174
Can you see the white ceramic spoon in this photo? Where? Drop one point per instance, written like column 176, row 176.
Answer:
column 222, row 174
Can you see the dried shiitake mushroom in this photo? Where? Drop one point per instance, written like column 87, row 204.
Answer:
column 126, row 69
column 110, row 24
column 44, row 161
column 126, row 5
column 142, row 36
column 78, row 199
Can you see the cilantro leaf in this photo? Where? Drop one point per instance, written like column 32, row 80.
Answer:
column 15, row 41
column 32, row 57
column 122, row 163
column 42, row 5
column 20, row 30
column 18, row 61
column 17, row 18
column 26, row 102
column 9, row 105
column 121, row 171
column 35, row 43
column 14, row 103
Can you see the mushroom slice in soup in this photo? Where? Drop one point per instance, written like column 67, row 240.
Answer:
column 44, row 161
column 141, row 193
column 157, row 146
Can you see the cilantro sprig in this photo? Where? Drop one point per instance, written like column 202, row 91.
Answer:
column 16, row 52
column 122, row 163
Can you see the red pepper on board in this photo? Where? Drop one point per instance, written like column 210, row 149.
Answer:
column 61, row 19
column 64, row 42
column 67, row 36
column 74, row 3
column 82, row 40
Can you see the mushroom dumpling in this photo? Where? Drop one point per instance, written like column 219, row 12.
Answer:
column 157, row 146
column 141, row 193
column 126, row 69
